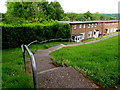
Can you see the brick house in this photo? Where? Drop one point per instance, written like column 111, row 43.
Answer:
column 81, row 30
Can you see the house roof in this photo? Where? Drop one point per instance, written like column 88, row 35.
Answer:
column 77, row 22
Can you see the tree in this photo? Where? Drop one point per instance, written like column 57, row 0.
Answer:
column 96, row 16
column 58, row 12
column 80, row 17
column 71, row 16
column 88, row 19
column 88, row 15
column 105, row 17
column 19, row 11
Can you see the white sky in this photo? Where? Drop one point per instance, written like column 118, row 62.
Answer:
column 81, row 6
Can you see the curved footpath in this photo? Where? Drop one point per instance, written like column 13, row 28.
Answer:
column 50, row 76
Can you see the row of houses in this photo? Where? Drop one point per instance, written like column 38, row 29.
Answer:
column 81, row 30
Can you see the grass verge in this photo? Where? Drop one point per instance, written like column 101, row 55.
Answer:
column 100, row 37
column 98, row 61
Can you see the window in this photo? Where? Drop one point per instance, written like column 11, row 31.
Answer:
column 82, row 35
column 75, row 26
column 80, row 26
column 76, row 38
column 89, row 34
column 88, row 25
column 96, row 25
column 92, row 25
column 112, row 23
column 84, row 26
column 99, row 24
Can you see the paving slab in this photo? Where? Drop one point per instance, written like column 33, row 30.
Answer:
column 64, row 77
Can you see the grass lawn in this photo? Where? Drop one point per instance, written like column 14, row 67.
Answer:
column 100, row 37
column 98, row 61
column 13, row 74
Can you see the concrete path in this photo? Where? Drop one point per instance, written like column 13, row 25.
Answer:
column 60, row 77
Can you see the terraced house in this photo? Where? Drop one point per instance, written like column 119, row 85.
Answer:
column 81, row 30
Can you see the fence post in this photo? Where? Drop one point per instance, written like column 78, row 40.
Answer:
column 33, row 65
column 36, row 45
column 23, row 52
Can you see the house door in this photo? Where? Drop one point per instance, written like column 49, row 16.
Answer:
column 96, row 34
column 106, row 30
column 78, row 38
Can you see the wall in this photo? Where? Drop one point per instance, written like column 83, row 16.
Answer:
column 102, row 26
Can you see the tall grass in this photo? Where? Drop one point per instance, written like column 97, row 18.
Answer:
column 98, row 61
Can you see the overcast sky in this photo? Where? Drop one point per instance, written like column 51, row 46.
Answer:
column 81, row 6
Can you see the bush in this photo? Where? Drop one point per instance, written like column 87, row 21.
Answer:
column 16, row 35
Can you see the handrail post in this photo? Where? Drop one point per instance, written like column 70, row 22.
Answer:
column 35, row 78
column 23, row 52
column 36, row 45
column 34, row 69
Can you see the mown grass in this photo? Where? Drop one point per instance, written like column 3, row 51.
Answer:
column 13, row 74
column 34, row 47
column 99, row 61
column 100, row 37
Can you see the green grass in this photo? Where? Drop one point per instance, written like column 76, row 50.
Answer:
column 34, row 47
column 100, row 37
column 13, row 74
column 98, row 61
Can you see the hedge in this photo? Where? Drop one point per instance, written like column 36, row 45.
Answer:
column 15, row 36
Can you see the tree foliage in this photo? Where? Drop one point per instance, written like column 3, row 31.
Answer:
column 28, row 10
column 88, row 16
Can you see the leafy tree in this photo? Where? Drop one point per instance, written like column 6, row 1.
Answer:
column 19, row 11
column 105, row 17
column 65, row 18
column 33, row 11
column 80, row 17
column 58, row 12
column 71, row 16
column 40, row 10
column 88, row 19
column 28, row 12
column 88, row 15
column 96, row 16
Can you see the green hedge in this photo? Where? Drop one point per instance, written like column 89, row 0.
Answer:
column 15, row 36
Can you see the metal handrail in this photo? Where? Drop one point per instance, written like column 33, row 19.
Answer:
column 47, row 41
column 32, row 42
column 33, row 64
column 32, row 58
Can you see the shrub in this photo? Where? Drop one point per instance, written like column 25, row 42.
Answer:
column 15, row 35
